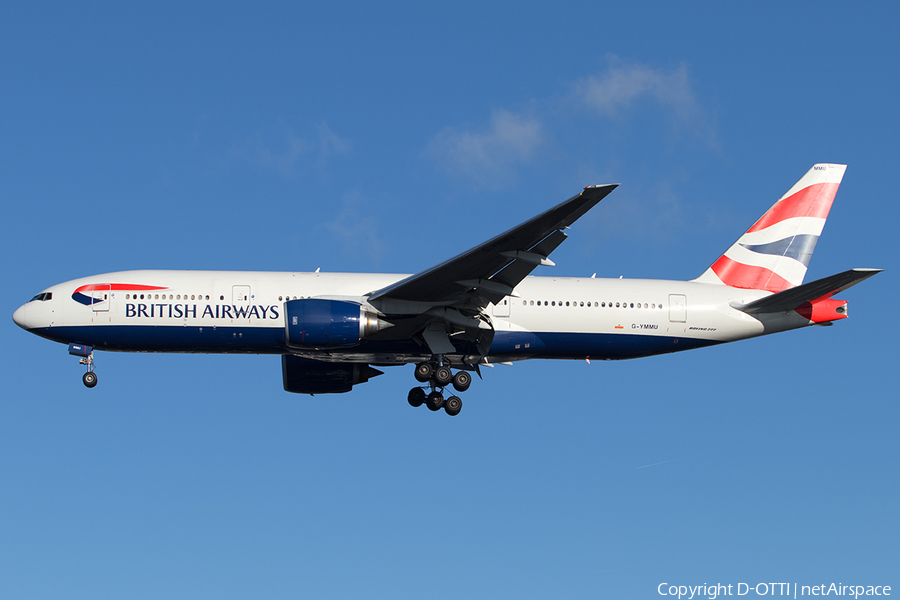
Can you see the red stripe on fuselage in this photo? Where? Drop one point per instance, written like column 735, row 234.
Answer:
column 118, row 287
column 812, row 201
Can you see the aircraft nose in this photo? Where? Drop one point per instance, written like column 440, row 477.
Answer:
column 20, row 317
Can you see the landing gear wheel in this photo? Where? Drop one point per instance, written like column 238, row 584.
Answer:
column 434, row 401
column 416, row 397
column 423, row 372
column 89, row 379
column 462, row 381
column 453, row 405
column 442, row 376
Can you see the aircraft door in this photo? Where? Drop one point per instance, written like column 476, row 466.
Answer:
column 677, row 308
column 501, row 309
column 101, row 297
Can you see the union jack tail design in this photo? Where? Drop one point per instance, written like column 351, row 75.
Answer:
column 773, row 254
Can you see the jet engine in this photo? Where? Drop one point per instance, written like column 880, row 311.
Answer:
column 322, row 323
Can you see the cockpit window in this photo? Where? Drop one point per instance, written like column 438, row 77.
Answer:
column 42, row 297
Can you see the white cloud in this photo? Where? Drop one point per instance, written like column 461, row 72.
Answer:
column 489, row 156
column 492, row 156
column 623, row 85
column 288, row 152
column 619, row 86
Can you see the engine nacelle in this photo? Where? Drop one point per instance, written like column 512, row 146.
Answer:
column 305, row 376
column 321, row 323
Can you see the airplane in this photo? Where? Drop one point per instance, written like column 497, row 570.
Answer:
column 480, row 308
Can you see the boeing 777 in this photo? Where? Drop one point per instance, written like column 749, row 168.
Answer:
column 478, row 308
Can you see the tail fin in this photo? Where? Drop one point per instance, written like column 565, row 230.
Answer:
column 773, row 254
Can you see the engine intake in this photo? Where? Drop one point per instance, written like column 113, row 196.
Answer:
column 321, row 323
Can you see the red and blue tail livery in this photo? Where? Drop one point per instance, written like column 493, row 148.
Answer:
column 774, row 253
column 479, row 308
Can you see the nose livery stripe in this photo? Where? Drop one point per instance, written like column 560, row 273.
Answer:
column 116, row 287
column 81, row 298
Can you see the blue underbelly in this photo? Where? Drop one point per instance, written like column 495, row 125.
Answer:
column 270, row 340
column 593, row 345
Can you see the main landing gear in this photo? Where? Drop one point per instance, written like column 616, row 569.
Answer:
column 438, row 377
column 86, row 354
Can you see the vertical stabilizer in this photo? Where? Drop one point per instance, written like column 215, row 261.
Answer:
column 773, row 254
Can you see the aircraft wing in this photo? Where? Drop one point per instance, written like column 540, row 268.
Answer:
column 489, row 272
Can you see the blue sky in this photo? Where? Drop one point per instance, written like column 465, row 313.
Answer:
column 388, row 137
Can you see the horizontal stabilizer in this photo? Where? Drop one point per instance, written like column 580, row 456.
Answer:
column 792, row 298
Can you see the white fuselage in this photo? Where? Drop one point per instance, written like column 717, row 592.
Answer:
column 546, row 317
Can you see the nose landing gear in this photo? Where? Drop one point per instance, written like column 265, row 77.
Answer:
column 439, row 377
column 86, row 354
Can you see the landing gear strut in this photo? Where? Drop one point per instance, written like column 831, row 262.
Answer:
column 438, row 377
